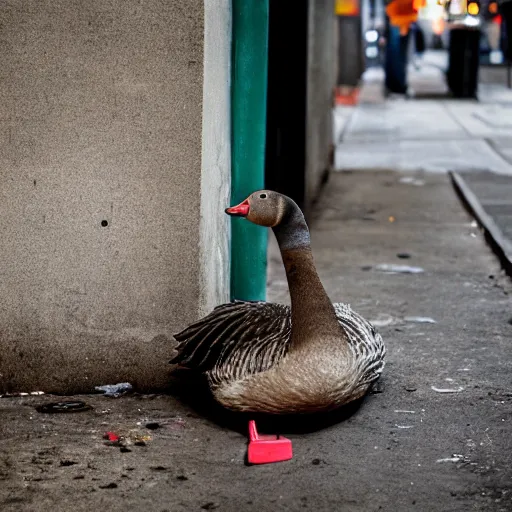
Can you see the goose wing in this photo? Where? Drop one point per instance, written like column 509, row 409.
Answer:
column 235, row 340
column 243, row 338
column 365, row 342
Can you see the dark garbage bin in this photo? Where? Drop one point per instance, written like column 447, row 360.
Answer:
column 506, row 12
column 464, row 59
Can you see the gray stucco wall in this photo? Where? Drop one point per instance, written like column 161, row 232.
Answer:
column 320, row 86
column 101, row 122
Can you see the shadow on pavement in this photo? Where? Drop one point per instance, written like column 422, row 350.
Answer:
column 192, row 390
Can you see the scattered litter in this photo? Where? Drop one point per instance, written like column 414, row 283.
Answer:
column 448, row 379
column 398, row 269
column 409, row 412
column 409, row 180
column 70, row 406
column 447, row 390
column 474, row 224
column 403, row 426
column 403, row 255
column 464, row 369
column 411, row 389
column 111, row 436
column 266, row 449
column 420, row 319
column 115, row 390
column 384, row 319
column 122, row 441
column 13, row 395
column 454, row 458
column 141, row 440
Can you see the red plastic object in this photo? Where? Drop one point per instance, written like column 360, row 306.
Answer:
column 267, row 449
column 111, row 436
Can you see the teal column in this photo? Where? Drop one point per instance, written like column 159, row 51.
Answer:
column 248, row 129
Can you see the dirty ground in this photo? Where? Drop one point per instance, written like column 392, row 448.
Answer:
column 434, row 436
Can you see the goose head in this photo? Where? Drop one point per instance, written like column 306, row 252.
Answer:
column 263, row 207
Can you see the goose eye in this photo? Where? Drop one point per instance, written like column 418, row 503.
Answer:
column 263, row 196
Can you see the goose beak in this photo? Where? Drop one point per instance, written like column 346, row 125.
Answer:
column 240, row 210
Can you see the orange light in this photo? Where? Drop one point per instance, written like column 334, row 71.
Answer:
column 438, row 26
column 346, row 7
column 473, row 8
column 493, row 8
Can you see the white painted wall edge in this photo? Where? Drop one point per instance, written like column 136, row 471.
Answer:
column 214, row 226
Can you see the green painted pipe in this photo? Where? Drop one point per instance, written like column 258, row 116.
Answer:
column 248, row 130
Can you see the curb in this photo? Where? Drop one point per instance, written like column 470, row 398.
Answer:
column 499, row 243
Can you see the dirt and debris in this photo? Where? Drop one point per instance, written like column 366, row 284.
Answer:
column 358, row 461
column 66, row 406
column 420, row 319
column 115, row 390
column 447, row 390
column 392, row 268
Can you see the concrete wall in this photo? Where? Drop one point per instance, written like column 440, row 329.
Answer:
column 215, row 225
column 107, row 194
column 351, row 60
column 321, row 70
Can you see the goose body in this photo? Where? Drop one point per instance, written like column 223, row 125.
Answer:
column 264, row 357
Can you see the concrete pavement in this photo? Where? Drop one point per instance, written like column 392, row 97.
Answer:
column 435, row 434
column 432, row 132
column 435, row 133
column 435, row 437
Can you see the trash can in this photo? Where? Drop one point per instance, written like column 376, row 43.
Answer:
column 463, row 62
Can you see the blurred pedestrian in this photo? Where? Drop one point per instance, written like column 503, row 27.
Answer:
column 395, row 65
column 401, row 14
column 419, row 45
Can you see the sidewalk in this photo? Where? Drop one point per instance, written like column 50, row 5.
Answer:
column 489, row 198
column 432, row 132
column 436, row 437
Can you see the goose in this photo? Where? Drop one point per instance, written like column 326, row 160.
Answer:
column 261, row 357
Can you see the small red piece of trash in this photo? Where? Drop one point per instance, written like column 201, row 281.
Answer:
column 265, row 449
column 111, row 436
